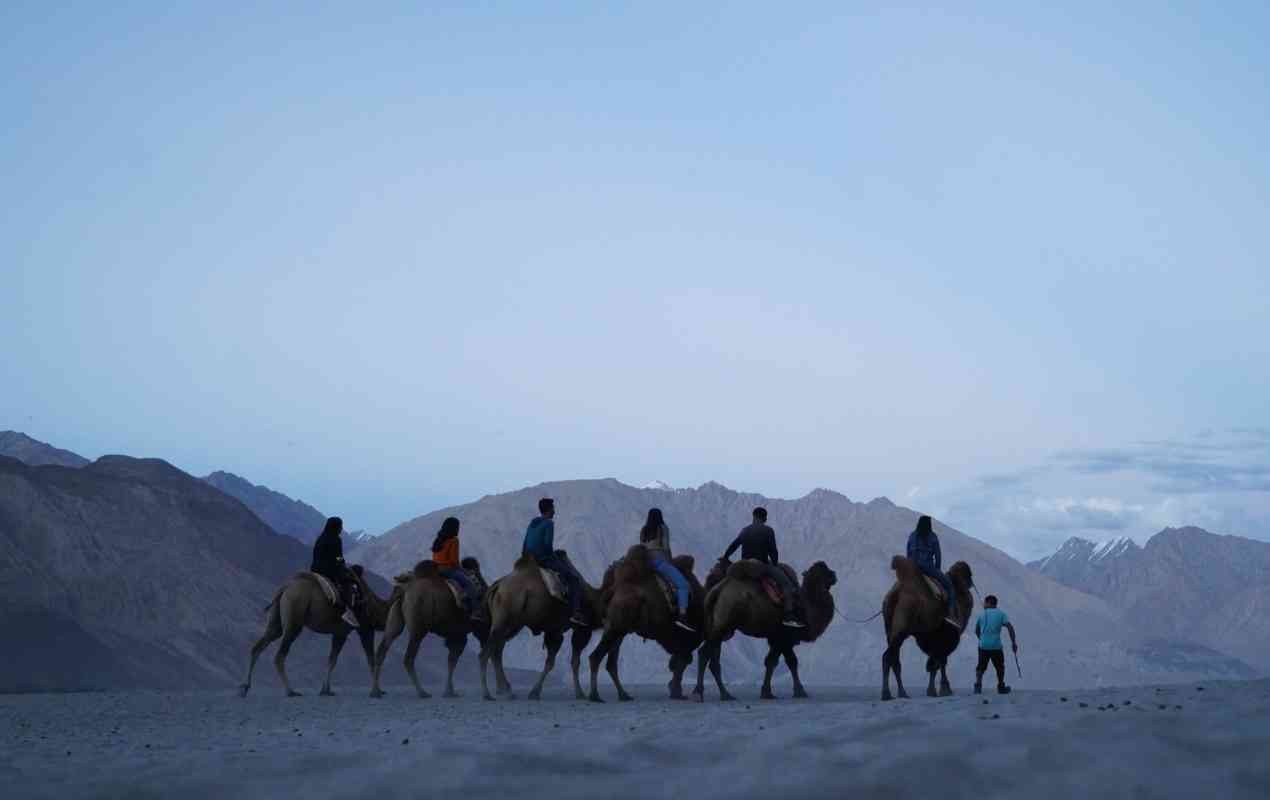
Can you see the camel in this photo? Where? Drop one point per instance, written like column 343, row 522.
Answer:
column 301, row 603
column 911, row 608
column 636, row 604
column 424, row 604
column 520, row 600
column 735, row 601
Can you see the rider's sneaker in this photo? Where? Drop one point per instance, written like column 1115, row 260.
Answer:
column 792, row 621
column 953, row 623
column 682, row 622
column 580, row 620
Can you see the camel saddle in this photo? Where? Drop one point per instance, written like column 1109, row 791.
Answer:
column 457, row 590
column 936, row 588
column 667, row 590
column 755, row 570
column 328, row 588
column 555, row 584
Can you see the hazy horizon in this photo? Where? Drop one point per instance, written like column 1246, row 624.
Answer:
column 1007, row 266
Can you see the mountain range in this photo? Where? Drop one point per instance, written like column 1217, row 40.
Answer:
column 1183, row 585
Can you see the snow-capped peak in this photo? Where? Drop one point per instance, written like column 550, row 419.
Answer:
column 1111, row 547
column 659, row 485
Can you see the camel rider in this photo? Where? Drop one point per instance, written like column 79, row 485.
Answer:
column 540, row 543
column 328, row 561
column 988, row 629
column 758, row 542
column 445, row 554
column 923, row 550
column 655, row 537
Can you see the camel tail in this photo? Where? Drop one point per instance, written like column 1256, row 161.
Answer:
column 276, row 596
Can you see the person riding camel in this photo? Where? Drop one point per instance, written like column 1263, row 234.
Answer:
column 655, row 536
column 328, row 561
column 758, row 542
column 445, row 554
column 540, row 543
column 923, row 550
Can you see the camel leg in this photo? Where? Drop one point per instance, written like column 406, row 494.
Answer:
column 703, row 655
column 273, row 631
column 769, row 666
column 504, row 685
column 607, row 642
column 280, row 658
column 716, row 669
column 483, row 657
column 679, row 663
column 581, row 638
column 552, row 641
column 392, row 629
column 337, row 644
column 891, row 663
column 455, row 645
column 611, row 666
column 791, row 661
column 945, row 688
column 412, row 651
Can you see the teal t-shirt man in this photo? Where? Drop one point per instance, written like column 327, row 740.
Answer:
column 988, row 629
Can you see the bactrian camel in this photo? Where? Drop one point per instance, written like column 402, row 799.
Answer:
column 736, row 602
column 911, row 608
column 301, row 603
column 423, row 604
column 520, row 600
column 635, row 603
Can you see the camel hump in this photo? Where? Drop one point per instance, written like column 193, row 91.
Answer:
column 425, row 569
column 684, row 564
column 904, row 568
column 751, row 570
column 526, row 563
column 633, row 568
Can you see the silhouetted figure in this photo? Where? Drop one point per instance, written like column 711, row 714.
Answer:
column 655, row 536
column 923, row 550
column 758, row 542
column 328, row 561
column 540, row 542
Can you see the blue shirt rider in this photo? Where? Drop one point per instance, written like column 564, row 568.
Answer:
column 923, row 550
column 540, row 543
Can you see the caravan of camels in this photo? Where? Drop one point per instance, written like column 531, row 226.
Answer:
column 647, row 593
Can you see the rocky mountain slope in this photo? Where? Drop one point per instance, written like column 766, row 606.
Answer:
column 130, row 573
column 1184, row 585
column 294, row 518
column 1069, row 637
column 36, row 453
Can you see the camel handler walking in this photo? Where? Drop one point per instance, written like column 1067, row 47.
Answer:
column 758, row 541
column 988, row 629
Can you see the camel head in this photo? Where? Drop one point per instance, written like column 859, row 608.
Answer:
column 961, row 576
column 818, row 577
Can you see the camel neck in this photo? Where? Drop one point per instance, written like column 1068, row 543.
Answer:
column 818, row 605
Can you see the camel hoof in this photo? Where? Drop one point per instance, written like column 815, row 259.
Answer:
column 800, row 694
column 424, row 695
column 293, row 693
column 932, row 693
column 946, row 691
column 903, row 694
column 766, row 696
column 595, row 698
column 625, row 698
column 534, row 695
column 377, row 693
column 886, row 696
column 725, row 697
column 326, row 693
column 451, row 694
column 242, row 690
column 489, row 697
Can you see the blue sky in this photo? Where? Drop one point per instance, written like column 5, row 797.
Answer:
column 385, row 260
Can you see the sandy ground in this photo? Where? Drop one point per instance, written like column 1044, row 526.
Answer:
column 1174, row 741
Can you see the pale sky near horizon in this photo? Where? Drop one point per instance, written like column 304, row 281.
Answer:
column 1010, row 266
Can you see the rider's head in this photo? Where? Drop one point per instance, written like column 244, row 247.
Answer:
column 760, row 514
column 924, row 526
column 334, row 527
column 990, row 601
column 547, row 507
